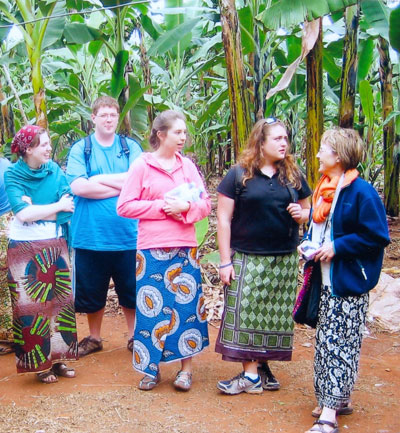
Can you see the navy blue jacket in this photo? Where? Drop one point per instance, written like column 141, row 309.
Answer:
column 359, row 234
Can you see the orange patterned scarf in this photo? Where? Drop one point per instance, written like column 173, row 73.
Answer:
column 326, row 188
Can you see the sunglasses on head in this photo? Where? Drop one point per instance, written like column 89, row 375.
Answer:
column 271, row 120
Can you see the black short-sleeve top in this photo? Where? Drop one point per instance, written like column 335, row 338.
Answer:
column 260, row 223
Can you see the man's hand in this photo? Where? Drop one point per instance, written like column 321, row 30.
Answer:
column 26, row 199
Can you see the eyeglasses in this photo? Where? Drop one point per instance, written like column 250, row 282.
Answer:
column 271, row 120
column 106, row 116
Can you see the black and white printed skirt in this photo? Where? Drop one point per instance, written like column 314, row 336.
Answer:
column 339, row 336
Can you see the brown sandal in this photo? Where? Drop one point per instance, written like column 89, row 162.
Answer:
column 60, row 369
column 318, row 426
column 129, row 346
column 47, row 376
column 5, row 350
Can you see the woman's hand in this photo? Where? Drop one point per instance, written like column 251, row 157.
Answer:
column 174, row 207
column 227, row 274
column 325, row 253
column 66, row 203
column 300, row 211
column 295, row 210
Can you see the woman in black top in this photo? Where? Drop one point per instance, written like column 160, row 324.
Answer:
column 261, row 203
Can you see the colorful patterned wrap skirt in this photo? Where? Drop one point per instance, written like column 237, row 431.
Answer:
column 44, row 323
column 5, row 303
column 171, row 322
column 257, row 322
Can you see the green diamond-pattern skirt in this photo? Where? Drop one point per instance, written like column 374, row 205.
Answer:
column 257, row 321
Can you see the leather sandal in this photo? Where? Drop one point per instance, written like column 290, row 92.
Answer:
column 5, row 350
column 148, row 382
column 47, row 376
column 60, row 369
column 318, row 426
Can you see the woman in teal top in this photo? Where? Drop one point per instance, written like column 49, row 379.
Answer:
column 5, row 303
column 39, row 269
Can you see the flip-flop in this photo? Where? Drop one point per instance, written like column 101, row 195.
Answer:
column 344, row 410
column 45, row 376
column 6, row 350
column 60, row 369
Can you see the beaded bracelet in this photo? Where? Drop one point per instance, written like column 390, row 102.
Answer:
column 225, row 266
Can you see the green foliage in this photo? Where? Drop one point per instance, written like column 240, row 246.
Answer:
column 117, row 77
column 286, row 14
column 377, row 16
column 366, row 58
column 394, row 29
column 80, row 33
column 367, row 101
column 82, row 56
column 170, row 39
column 201, row 231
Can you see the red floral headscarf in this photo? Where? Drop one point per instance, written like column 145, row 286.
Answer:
column 24, row 138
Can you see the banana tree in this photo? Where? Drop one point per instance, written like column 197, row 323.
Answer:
column 380, row 19
column 39, row 33
column 349, row 69
column 238, row 96
column 315, row 115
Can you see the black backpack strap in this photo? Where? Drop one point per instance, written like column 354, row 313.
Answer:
column 239, row 172
column 293, row 193
column 124, row 145
column 294, row 197
column 87, row 151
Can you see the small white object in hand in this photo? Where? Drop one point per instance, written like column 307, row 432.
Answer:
column 186, row 192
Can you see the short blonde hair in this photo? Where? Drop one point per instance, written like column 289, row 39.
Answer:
column 347, row 144
column 104, row 101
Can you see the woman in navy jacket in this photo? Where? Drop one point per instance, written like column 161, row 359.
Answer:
column 351, row 253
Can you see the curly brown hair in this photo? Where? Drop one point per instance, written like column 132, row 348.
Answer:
column 251, row 157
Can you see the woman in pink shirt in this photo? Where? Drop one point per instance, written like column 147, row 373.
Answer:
column 165, row 192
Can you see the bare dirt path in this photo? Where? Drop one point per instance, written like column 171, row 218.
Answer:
column 104, row 396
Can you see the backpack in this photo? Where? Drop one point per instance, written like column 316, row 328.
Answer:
column 87, row 150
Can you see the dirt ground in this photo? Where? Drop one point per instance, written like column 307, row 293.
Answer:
column 104, row 396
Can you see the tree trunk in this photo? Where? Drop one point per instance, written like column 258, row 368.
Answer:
column 39, row 98
column 125, row 128
column 390, row 159
column 259, row 97
column 315, row 115
column 349, row 70
column 238, row 95
column 7, row 120
column 145, row 64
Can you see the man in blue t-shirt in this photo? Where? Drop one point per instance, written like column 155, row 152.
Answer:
column 104, row 243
